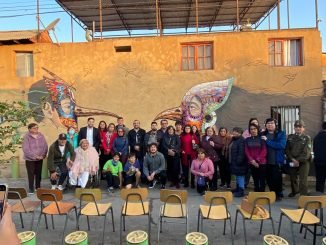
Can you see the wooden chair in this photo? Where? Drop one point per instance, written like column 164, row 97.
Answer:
column 216, row 210
column 22, row 205
column 92, row 208
column 135, row 204
column 261, row 199
column 174, row 207
column 303, row 216
column 54, row 207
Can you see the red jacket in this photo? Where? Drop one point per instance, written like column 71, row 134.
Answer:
column 187, row 149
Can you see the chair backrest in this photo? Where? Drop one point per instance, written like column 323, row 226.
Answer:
column 88, row 195
column 312, row 202
column 134, row 195
column 173, row 196
column 218, row 198
column 49, row 195
column 17, row 193
column 261, row 198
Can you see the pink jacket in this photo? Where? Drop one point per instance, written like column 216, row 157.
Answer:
column 93, row 160
column 207, row 167
column 33, row 147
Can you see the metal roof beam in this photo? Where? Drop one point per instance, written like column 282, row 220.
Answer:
column 244, row 12
column 215, row 16
column 188, row 13
column 121, row 17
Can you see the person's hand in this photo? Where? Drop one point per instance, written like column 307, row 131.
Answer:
column 201, row 174
column 295, row 162
column 211, row 143
column 153, row 175
column 183, row 152
column 38, row 158
column 193, row 141
column 8, row 233
column 264, row 137
column 70, row 163
column 137, row 148
column 149, row 177
column 53, row 176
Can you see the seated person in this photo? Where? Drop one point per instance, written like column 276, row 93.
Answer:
column 113, row 172
column 132, row 171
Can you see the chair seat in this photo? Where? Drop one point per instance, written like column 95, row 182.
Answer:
column 64, row 207
column 30, row 206
column 295, row 215
column 174, row 210
column 135, row 208
column 246, row 215
column 90, row 208
column 217, row 212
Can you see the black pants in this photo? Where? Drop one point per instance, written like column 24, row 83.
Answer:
column 215, row 177
column 113, row 181
column 320, row 177
column 103, row 159
column 201, row 189
column 34, row 171
column 225, row 173
column 259, row 176
column 161, row 176
column 274, row 178
column 186, row 170
column 63, row 174
column 173, row 164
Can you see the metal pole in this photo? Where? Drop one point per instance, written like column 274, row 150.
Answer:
column 38, row 19
column 100, row 8
column 72, row 29
column 316, row 7
column 288, row 12
column 238, row 20
column 157, row 18
column 197, row 16
column 269, row 22
column 278, row 15
column 93, row 34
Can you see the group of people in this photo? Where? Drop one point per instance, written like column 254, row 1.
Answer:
column 179, row 154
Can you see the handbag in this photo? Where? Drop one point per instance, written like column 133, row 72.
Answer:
column 194, row 145
column 201, row 179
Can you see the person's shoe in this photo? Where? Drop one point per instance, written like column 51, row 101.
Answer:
column 162, row 187
column 152, row 184
column 138, row 186
column 228, row 187
column 293, row 194
column 172, row 184
column 202, row 193
column 177, row 185
column 278, row 198
column 60, row 188
column 239, row 193
column 30, row 192
column 186, row 185
column 222, row 186
column 235, row 190
column 53, row 187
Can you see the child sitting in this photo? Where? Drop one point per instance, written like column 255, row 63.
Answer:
column 113, row 171
column 132, row 171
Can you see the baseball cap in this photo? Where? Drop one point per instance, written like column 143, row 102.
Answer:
column 299, row 123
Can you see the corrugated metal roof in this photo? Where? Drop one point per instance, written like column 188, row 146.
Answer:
column 143, row 14
column 17, row 35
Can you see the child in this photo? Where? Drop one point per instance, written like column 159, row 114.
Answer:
column 113, row 171
column 132, row 171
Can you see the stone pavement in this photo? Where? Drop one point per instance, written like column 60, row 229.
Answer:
column 173, row 233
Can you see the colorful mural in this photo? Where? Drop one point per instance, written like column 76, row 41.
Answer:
column 199, row 104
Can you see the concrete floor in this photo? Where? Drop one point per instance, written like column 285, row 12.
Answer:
column 173, row 233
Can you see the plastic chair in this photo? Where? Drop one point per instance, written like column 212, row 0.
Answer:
column 135, row 204
column 174, row 207
column 303, row 216
column 23, row 205
column 92, row 208
column 216, row 210
column 54, row 207
column 261, row 199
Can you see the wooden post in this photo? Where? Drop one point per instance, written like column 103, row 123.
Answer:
column 101, row 24
column 317, row 20
column 197, row 16
column 238, row 19
column 278, row 15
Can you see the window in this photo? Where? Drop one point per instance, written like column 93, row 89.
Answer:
column 286, row 116
column 122, row 49
column 285, row 52
column 197, row 56
column 24, row 64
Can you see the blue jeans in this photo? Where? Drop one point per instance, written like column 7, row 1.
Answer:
column 240, row 181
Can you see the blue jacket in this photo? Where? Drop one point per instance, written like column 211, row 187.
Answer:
column 278, row 144
column 120, row 144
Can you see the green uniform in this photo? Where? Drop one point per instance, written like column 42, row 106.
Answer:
column 298, row 147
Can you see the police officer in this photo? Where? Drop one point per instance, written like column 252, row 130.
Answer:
column 298, row 153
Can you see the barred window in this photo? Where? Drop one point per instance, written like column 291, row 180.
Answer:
column 286, row 116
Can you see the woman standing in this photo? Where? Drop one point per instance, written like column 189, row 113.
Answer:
column 223, row 162
column 203, row 170
column 256, row 152
column 111, row 134
column 211, row 144
column 195, row 131
column 104, row 154
column 120, row 145
column 189, row 145
column 171, row 151
column 72, row 137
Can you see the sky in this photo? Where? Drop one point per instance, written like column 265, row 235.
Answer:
column 21, row 15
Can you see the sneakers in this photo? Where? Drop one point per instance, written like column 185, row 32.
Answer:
column 53, row 187
column 239, row 193
column 152, row 185
column 31, row 192
column 162, row 187
column 60, row 188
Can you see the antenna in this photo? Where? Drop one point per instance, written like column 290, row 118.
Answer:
column 51, row 27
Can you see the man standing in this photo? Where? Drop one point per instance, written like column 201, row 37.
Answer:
column 154, row 166
column 59, row 153
column 90, row 133
column 164, row 125
column 152, row 136
column 136, row 141
column 320, row 159
column 35, row 149
column 298, row 153
column 120, row 124
column 275, row 141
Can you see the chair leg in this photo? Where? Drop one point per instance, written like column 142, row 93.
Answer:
column 104, row 228
column 322, row 229
column 21, row 219
column 149, row 228
column 279, row 224
column 273, row 227
column 201, row 224
column 33, row 215
column 232, row 238
column 161, row 224
column 198, row 220
column 121, row 229
column 301, row 228
column 38, row 222
column 64, row 229
column 187, row 229
column 76, row 218
column 112, row 220
column 261, row 226
column 292, row 232
column 244, row 229
column 46, row 222
column 77, row 223
column 124, row 223
column 224, row 227
column 235, row 223
column 52, row 221
column 89, row 227
column 158, row 230
column 305, row 232
column 315, row 230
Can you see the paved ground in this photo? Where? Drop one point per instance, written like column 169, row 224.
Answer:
column 172, row 233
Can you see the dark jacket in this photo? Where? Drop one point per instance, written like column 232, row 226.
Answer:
column 171, row 142
column 153, row 163
column 120, row 144
column 212, row 151
column 55, row 158
column 237, row 158
column 158, row 136
column 132, row 141
column 278, row 144
column 319, row 147
column 298, row 147
column 96, row 137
